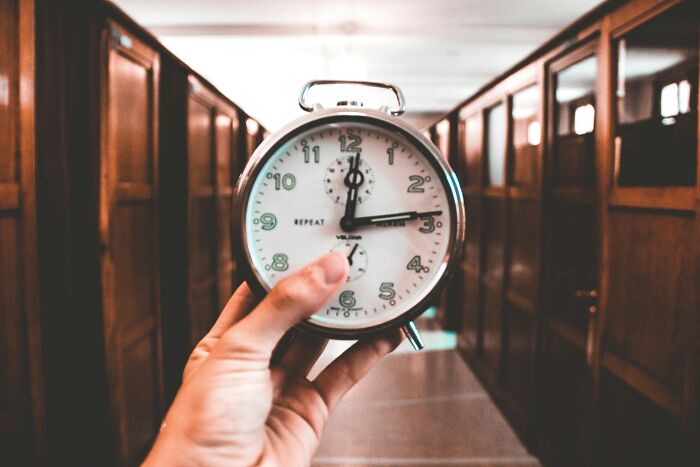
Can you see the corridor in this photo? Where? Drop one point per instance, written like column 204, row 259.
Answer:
column 514, row 184
column 421, row 409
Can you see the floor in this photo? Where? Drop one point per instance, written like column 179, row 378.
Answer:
column 421, row 409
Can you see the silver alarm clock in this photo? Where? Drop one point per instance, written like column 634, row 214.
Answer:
column 361, row 182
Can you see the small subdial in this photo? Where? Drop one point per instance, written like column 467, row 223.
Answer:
column 356, row 255
column 334, row 180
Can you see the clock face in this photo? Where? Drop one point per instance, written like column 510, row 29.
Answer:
column 365, row 191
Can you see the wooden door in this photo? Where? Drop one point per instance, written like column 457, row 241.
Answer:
column 129, row 231
column 572, row 259
column 649, row 370
column 202, row 254
column 492, row 216
column 468, row 276
column 522, row 268
column 21, row 406
column 226, row 177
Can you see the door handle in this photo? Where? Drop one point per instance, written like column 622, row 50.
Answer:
column 586, row 294
column 590, row 295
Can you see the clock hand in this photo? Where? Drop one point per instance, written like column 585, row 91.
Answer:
column 352, row 253
column 353, row 180
column 399, row 216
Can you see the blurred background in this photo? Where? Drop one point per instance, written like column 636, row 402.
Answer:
column 436, row 52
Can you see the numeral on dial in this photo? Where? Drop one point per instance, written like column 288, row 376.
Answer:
column 386, row 291
column 428, row 224
column 280, row 262
column 347, row 299
column 307, row 152
column 418, row 182
column 353, row 146
column 390, row 152
column 268, row 221
column 415, row 265
column 286, row 181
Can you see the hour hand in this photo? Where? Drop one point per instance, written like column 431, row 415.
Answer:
column 395, row 217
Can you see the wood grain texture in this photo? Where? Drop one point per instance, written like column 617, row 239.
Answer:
column 21, row 393
column 623, row 361
column 129, row 229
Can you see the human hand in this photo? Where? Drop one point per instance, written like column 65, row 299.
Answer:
column 234, row 408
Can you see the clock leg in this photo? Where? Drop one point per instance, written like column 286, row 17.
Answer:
column 413, row 336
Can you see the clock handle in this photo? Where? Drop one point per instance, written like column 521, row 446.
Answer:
column 413, row 336
column 396, row 111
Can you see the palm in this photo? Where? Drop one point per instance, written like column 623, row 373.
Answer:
column 234, row 408
column 252, row 413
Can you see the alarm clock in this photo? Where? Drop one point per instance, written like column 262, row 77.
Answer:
column 361, row 182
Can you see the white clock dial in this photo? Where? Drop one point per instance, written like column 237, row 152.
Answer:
column 399, row 239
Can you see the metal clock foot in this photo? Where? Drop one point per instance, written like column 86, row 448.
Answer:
column 413, row 335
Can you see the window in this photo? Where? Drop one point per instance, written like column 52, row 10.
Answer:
column 657, row 80
column 534, row 134
column 584, row 119
column 674, row 100
column 574, row 118
column 527, row 136
column 495, row 145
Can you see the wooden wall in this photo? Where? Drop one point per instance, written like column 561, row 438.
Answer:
column 136, row 160
column 21, row 391
column 198, row 175
column 578, row 291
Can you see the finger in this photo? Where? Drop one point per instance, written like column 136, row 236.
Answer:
column 345, row 371
column 241, row 302
column 238, row 306
column 298, row 359
column 293, row 299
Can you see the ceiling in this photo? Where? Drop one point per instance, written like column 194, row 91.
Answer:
column 260, row 53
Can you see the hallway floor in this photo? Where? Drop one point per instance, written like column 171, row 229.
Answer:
column 421, row 409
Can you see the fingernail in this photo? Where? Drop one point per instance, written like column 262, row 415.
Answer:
column 334, row 266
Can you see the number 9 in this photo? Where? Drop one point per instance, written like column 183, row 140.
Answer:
column 268, row 221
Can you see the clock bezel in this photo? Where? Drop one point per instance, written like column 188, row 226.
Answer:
column 335, row 115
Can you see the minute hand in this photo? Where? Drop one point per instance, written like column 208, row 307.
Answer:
column 399, row 216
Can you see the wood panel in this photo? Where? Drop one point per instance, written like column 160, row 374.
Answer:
column 523, row 251
column 520, row 354
column 633, row 430
column 212, row 150
column 201, row 210
column 226, row 173
column 201, row 147
column 649, row 328
column 572, row 266
column 563, row 401
column 129, row 230
column 610, row 319
column 21, row 398
column 467, row 283
column 493, row 231
column 472, row 181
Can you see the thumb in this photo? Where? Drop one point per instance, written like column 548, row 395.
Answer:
column 292, row 300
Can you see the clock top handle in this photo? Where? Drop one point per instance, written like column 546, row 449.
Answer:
column 396, row 111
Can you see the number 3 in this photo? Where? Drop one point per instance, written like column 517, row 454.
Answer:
column 428, row 224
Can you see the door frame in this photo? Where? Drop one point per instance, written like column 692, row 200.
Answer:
column 590, row 342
